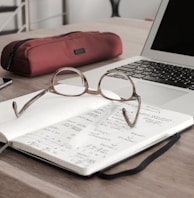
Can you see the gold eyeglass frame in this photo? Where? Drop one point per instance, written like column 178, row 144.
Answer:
column 52, row 89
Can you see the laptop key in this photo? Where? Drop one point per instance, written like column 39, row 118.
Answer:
column 191, row 87
column 141, row 76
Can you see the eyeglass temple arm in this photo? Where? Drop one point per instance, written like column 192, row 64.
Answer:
column 31, row 101
column 132, row 124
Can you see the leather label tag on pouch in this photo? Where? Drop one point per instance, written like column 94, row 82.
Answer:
column 79, row 51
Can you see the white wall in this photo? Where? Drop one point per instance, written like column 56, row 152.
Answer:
column 139, row 8
column 47, row 13
column 87, row 10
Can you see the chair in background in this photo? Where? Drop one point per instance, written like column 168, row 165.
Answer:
column 115, row 7
column 17, row 10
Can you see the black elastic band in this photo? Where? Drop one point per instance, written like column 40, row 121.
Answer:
column 144, row 163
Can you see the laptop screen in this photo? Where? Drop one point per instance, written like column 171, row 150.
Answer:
column 171, row 38
column 176, row 31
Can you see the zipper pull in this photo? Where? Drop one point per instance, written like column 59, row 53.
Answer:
column 10, row 59
column 13, row 51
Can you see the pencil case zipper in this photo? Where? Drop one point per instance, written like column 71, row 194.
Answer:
column 13, row 51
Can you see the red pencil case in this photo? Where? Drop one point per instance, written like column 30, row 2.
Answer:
column 37, row 56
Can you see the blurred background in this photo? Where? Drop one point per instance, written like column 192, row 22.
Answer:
column 22, row 15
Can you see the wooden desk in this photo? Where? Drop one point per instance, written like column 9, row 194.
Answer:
column 171, row 175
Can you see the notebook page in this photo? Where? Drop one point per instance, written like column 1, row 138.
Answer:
column 95, row 140
column 49, row 109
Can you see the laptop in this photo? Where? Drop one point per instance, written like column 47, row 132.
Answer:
column 170, row 44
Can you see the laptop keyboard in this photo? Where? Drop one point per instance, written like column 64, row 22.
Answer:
column 160, row 72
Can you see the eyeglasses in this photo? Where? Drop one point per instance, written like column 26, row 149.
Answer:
column 105, row 84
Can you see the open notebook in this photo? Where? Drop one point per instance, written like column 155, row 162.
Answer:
column 85, row 134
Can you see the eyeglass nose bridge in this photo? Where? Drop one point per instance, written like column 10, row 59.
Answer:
column 93, row 91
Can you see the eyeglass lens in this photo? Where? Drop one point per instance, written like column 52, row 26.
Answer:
column 78, row 81
column 124, row 89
